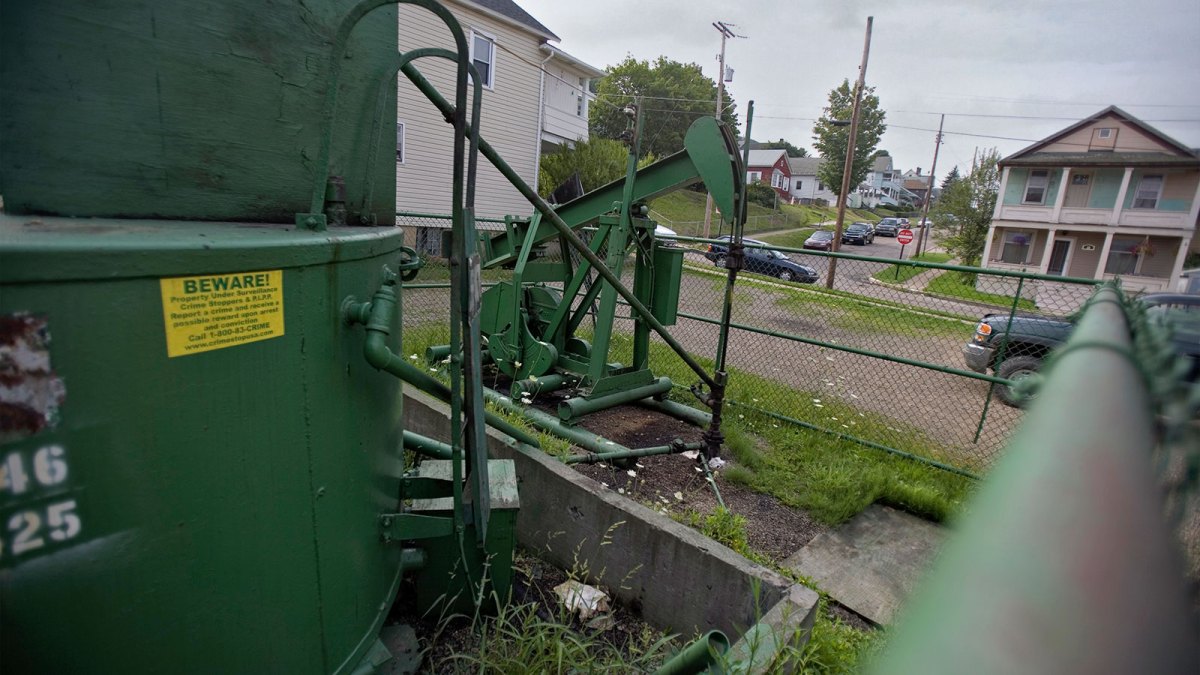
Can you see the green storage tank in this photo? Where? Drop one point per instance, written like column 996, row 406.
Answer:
column 193, row 451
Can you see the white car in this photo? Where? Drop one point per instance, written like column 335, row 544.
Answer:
column 664, row 232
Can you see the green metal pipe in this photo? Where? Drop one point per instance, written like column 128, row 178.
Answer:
column 856, row 439
column 440, row 353
column 594, row 457
column 1065, row 562
column 914, row 263
column 426, row 445
column 576, row 407
column 542, row 385
column 854, row 350
column 412, row 559
column 377, row 315
column 698, row 656
column 564, row 230
column 551, row 424
column 679, row 411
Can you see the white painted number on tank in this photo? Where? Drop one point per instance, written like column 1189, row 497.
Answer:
column 12, row 474
column 33, row 477
column 49, row 465
column 26, row 531
column 63, row 523
column 49, row 469
column 25, row 526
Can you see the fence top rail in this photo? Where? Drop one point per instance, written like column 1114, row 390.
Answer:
column 442, row 216
column 892, row 261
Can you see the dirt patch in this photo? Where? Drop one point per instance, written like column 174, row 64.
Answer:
column 677, row 484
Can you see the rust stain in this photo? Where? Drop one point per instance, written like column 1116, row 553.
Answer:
column 30, row 391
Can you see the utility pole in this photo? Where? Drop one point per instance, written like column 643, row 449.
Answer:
column 848, row 167
column 725, row 29
column 937, row 144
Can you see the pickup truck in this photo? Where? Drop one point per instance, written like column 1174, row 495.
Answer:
column 1017, row 350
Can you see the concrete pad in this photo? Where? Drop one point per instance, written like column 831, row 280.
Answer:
column 872, row 562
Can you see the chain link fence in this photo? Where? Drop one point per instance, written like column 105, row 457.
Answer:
column 889, row 354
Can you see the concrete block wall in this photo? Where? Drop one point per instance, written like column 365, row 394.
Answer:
column 677, row 579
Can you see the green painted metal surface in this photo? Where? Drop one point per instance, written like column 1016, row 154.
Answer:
column 204, row 110
column 222, row 505
column 446, row 585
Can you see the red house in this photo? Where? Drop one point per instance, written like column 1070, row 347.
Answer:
column 770, row 167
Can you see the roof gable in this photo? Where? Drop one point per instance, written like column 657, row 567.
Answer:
column 1133, row 136
column 766, row 157
column 509, row 10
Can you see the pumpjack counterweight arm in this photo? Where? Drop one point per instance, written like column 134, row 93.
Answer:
column 709, row 154
column 566, row 231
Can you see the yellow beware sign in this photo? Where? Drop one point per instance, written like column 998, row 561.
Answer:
column 201, row 314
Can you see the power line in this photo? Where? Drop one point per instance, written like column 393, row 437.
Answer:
column 1037, row 102
column 1021, row 117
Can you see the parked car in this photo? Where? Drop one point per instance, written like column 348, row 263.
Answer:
column 858, row 233
column 1020, row 351
column 889, row 227
column 821, row 240
column 663, row 232
column 766, row 261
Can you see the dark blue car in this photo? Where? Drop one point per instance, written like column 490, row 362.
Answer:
column 766, row 261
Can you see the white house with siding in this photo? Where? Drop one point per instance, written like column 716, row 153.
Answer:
column 519, row 71
column 1107, row 197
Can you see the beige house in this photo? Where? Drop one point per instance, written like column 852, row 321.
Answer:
column 1107, row 197
column 532, row 92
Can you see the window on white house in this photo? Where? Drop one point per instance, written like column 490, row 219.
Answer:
column 1124, row 255
column 580, row 98
column 400, row 142
column 1104, row 133
column 1149, row 189
column 799, row 184
column 1016, row 247
column 1035, row 187
column 483, row 55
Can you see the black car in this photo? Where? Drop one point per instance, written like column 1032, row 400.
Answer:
column 858, row 233
column 889, row 227
column 1014, row 348
column 764, row 261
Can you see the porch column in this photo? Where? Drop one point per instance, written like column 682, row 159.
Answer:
column 1115, row 217
column 1000, row 196
column 1184, row 244
column 1194, row 212
column 1062, row 194
column 1108, row 240
column 987, row 247
column 1044, row 266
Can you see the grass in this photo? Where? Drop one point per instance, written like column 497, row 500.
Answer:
column 861, row 315
column 953, row 284
column 682, row 209
column 793, row 239
column 900, row 273
column 830, row 477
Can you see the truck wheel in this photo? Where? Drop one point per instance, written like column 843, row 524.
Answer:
column 720, row 261
column 1015, row 369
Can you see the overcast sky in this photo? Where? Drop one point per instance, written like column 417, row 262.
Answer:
column 1054, row 61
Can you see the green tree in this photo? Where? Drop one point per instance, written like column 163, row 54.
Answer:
column 781, row 144
column 675, row 94
column 950, row 178
column 963, row 213
column 831, row 141
column 598, row 161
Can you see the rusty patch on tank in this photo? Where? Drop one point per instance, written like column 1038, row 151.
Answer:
column 30, row 392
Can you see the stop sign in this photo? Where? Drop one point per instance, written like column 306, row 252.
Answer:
column 904, row 237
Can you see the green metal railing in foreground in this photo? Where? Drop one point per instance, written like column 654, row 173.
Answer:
column 1064, row 563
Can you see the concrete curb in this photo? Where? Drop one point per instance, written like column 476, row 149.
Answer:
column 676, row 578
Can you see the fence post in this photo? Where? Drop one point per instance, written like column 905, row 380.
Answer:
column 987, row 402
